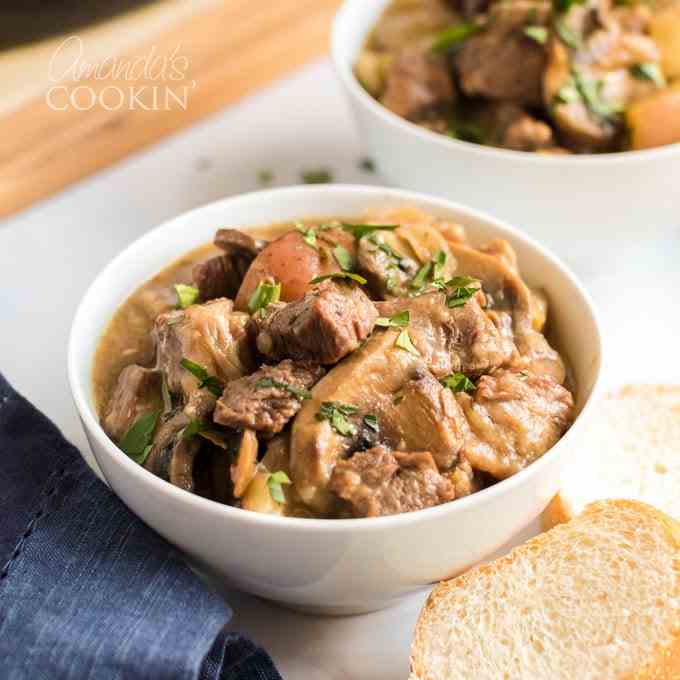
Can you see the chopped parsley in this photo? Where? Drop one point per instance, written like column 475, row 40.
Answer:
column 136, row 442
column 343, row 258
column 459, row 290
column 399, row 320
column 404, row 342
column 372, row 423
column 367, row 165
column 361, row 230
column 649, row 71
column 434, row 269
column 385, row 248
column 204, row 378
column 186, row 295
column 538, row 34
column 567, row 34
column 337, row 415
column 265, row 177
column 193, row 428
column 341, row 275
column 308, row 235
column 316, row 176
column 438, row 264
column 419, row 280
column 264, row 295
column 466, row 131
column 275, row 483
column 565, row 5
column 454, row 36
column 298, row 392
column 458, row 382
column 591, row 92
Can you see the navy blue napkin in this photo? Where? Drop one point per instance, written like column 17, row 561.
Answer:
column 89, row 592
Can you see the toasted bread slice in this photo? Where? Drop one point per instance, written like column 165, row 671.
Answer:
column 597, row 598
column 630, row 450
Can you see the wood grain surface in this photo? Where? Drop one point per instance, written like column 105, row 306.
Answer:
column 231, row 50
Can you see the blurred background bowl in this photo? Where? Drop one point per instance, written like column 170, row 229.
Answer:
column 555, row 198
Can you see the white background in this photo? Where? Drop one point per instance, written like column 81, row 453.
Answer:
column 49, row 255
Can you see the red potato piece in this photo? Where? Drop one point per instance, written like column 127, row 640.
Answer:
column 289, row 261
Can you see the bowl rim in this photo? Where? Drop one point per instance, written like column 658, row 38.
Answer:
column 343, row 61
column 90, row 421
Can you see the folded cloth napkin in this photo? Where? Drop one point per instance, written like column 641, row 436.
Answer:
column 89, row 592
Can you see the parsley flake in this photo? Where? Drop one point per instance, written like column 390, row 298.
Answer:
column 316, row 176
column 361, row 230
column 298, row 392
column 340, row 275
column 204, row 378
column 538, row 34
column 275, row 483
column 649, row 71
column 343, row 258
column 404, row 342
column 265, row 294
column 398, row 320
column 458, row 382
column 186, row 295
column 136, row 442
column 454, row 36
column 372, row 423
column 337, row 415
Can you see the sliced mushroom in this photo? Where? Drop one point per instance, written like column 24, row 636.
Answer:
column 412, row 409
column 245, row 467
column 172, row 456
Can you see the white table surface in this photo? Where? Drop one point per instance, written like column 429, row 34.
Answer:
column 49, row 255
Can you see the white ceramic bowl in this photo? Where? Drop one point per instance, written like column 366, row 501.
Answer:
column 331, row 566
column 554, row 197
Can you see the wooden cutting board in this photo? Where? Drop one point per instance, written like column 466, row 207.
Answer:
column 224, row 50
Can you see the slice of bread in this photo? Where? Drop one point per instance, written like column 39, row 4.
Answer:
column 630, row 450
column 597, row 598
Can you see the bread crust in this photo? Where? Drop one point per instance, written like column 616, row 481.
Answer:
column 558, row 511
column 665, row 662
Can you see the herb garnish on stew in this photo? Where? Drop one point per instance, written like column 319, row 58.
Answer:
column 204, row 378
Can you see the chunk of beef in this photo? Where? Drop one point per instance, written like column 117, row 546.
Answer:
column 380, row 482
column 212, row 335
column 221, row 276
column 138, row 391
column 463, row 339
column 328, row 323
column 514, row 128
column 387, row 271
column 514, row 417
column 502, row 62
column 416, row 83
column 266, row 400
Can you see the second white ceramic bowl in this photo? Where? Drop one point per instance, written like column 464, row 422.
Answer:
column 554, row 197
column 331, row 566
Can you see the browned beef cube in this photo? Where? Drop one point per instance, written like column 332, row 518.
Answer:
column 381, row 482
column 266, row 400
column 327, row 324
